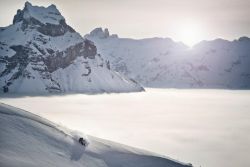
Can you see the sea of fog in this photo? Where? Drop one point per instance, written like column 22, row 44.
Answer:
column 209, row 128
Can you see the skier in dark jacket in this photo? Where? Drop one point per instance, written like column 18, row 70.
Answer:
column 82, row 141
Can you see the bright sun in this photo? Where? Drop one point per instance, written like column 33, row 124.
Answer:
column 190, row 33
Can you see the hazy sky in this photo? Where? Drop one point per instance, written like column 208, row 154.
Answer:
column 186, row 20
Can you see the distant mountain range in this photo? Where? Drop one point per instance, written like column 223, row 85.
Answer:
column 40, row 53
column 163, row 63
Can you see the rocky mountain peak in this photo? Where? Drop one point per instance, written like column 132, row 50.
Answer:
column 47, row 20
column 100, row 33
column 44, row 15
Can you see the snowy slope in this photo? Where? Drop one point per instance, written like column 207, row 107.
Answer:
column 29, row 140
column 40, row 53
column 161, row 62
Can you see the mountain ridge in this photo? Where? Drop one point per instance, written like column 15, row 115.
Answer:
column 164, row 63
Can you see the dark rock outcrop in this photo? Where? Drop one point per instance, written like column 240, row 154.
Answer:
column 65, row 58
column 55, row 30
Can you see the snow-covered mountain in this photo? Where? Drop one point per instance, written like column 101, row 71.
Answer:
column 161, row 62
column 28, row 140
column 40, row 53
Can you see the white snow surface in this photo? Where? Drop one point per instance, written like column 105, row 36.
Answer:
column 163, row 63
column 28, row 140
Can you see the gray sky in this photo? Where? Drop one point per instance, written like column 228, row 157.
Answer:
column 183, row 20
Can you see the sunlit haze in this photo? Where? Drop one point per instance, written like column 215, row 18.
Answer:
column 186, row 21
column 190, row 32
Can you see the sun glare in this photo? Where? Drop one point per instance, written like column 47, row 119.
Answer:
column 190, row 33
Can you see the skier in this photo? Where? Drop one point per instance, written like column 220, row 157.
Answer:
column 82, row 141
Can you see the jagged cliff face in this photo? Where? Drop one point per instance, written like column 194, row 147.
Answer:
column 48, row 21
column 40, row 53
column 161, row 62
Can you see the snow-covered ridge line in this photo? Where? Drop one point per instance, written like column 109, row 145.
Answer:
column 9, row 110
column 13, row 111
column 103, row 33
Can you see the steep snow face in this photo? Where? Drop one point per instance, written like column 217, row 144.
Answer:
column 28, row 140
column 40, row 53
column 161, row 62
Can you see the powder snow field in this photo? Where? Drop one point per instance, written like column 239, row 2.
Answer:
column 28, row 140
column 209, row 128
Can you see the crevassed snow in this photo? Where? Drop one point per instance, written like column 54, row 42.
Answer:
column 28, row 140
